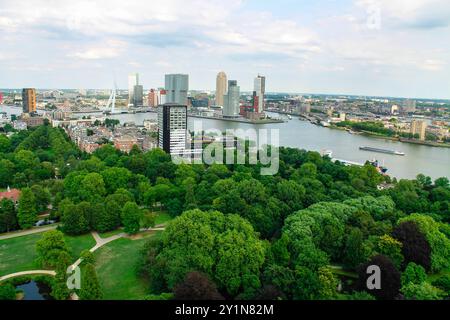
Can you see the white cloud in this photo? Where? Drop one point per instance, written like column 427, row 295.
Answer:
column 107, row 50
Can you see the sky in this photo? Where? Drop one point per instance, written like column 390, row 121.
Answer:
column 396, row 48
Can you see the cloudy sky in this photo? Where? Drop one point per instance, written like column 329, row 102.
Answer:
column 368, row 47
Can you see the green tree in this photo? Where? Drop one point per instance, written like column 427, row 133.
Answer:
column 42, row 196
column 8, row 217
column 224, row 247
column 422, row 291
column 7, row 292
column 92, row 187
column 87, row 257
column 27, row 212
column 50, row 247
column 131, row 218
column 73, row 219
column 90, row 286
column 7, row 169
column 413, row 273
column 354, row 251
column 116, row 178
column 439, row 243
column 391, row 248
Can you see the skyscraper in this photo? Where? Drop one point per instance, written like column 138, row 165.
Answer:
column 138, row 96
column 29, row 100
column 133, row 80
column 177, row 87
column 231, row 100
column 260, row 88
column 221, row 88
column 419, row 127
column 172, row 127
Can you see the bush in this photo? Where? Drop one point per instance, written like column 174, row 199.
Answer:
column 7, row 292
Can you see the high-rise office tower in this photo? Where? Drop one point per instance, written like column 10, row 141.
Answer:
column 231, row 106
column 153, row 100
column 419, row 127
column 138, row 96
column 177, row 87
column 260, row 88
column 29, row 100
column 172, row 128
column 133, row 80
column 221, row 88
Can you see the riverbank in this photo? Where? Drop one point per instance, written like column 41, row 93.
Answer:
column 398, row 139
column 239, row 120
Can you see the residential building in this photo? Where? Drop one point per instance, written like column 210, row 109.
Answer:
column 419, row 127
column 260, row 88
column 151, row 125
column 409, row 106
column 153, row 99
column 172, row 126
column 125, row 143
column 221, row 88
column 29, row 100
column 177, row 87
column 11, row 194
column 231, row 105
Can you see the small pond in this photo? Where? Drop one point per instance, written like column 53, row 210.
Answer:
column 35, row 291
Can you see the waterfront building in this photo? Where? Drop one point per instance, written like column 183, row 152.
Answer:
column 260, row 88
column 133, row 80
column 29, row 100
column 419, row 127
column 231, row 100
column 162, row 96
column 172, row 127
column 221, row 88
column 138, row 96
column 153, row 99
column 177, row 87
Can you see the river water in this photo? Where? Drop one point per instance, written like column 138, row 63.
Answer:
column 431, row 161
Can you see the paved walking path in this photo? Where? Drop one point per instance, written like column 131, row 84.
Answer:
column 28, row 273
column 27, row 232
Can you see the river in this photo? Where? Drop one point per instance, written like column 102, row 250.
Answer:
column 431, row 161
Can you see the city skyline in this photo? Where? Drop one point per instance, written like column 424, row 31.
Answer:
column 360, row 47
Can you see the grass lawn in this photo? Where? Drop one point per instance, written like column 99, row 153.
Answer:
column 18, row 254
column 162, row 218
column 115, row 265
column 79, row 243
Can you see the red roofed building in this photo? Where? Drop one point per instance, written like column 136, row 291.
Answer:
column 11, row 194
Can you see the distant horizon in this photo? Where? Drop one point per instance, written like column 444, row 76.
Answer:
column 249, row 91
